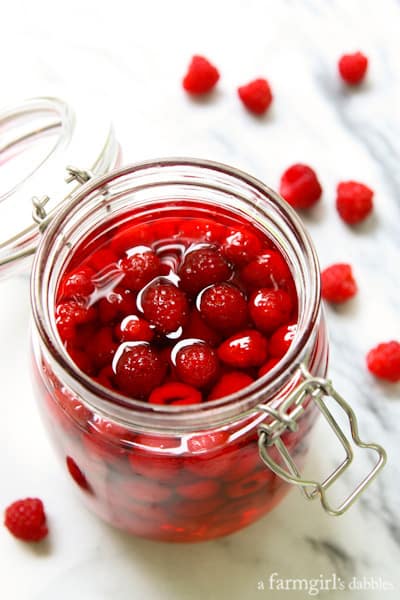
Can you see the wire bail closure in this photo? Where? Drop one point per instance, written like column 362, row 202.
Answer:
column 285, row 418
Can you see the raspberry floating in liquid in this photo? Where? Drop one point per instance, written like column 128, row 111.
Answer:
column 26, row 520
column 243, row 350
column 138, row 369
column 338, row 283
column 383, row 361
column 166, row 316
column 353, row 67
column 270, row 308
column 196, row 363
column 202, row 268
column 201, row 76
column 223, row 307
column 354, row 201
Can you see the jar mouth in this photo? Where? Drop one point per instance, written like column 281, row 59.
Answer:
column 260, row 200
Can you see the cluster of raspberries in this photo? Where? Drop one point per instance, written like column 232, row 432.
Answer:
column 300, row 187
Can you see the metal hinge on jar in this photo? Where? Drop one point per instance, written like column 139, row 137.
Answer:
column 285, row 418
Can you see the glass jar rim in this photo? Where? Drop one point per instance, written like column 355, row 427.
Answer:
column 222, row 409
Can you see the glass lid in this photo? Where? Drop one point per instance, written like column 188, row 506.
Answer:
column 48, row 148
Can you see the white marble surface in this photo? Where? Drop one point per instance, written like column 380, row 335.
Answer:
column 133, row 54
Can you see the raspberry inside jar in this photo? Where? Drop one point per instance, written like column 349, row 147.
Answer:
column 167, row 307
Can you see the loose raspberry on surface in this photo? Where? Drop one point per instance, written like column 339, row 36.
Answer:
column 270, row 308
column 383, row 361
column 223, row 307
column 256, row 96
column 338, row 283
column 243, row 350
column 300, row 187
column 201, row 76
column 354, row 201
column 196, row 364
column 138, row 369
column 26, row 520
column 229, row 383
column 165, row 306
column 202, row 268
column 353, row 67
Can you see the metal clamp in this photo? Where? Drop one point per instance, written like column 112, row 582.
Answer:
column 285, row 418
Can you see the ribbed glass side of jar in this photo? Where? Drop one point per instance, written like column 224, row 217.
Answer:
column 175, row 475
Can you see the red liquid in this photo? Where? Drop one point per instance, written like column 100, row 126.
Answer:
column 187, row 487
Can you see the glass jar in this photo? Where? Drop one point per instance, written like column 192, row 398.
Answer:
column 186, row 473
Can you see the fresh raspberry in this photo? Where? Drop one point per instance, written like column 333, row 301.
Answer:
column 270, row 308
column 70, row 314
column 241, row 246
column 175, row 393
column 202, row 268
column 140, row 267
column 77, row 474
column 102, row 348
column 338, row 283
column 199, row 490
column 256, row 96
column 267, row 366
column 354, row 201
column 165, row 306
column 78, row 283
column 223, row 307
column 268, row 269
column 26, row 520
column 201, row 76
column 245, row 349
column 300, row 187
column 139, row 369
column 197, row 364
column 229, row 383
column 383, row 361
column 134, row 329
column 352, row 67
column 197, row 328
column 117, row 304
column 281, row 340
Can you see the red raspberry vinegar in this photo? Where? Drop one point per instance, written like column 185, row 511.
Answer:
column 174, row 298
